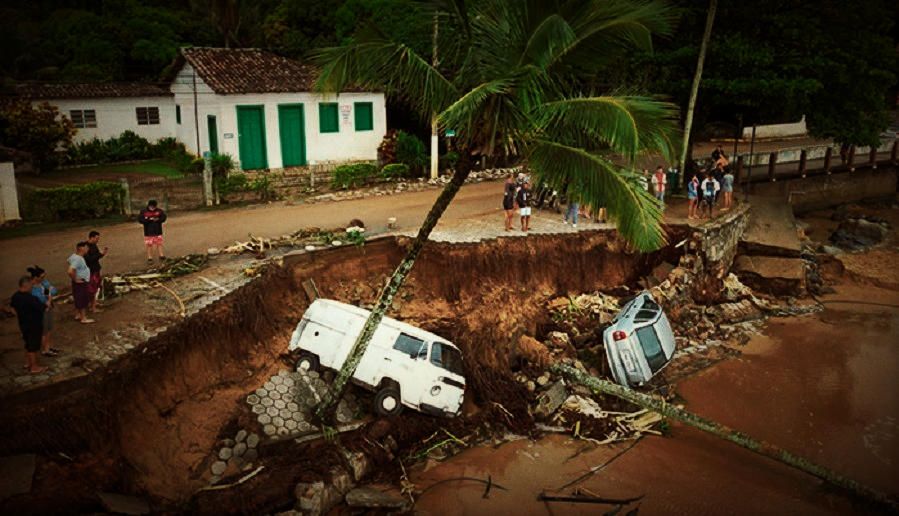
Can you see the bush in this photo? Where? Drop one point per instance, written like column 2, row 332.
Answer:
column 411, row 151
column 129, row 146
column 74, row 202
column 221, row 164
column 262, row 185
column 38, row 131
column 448, row 161
column 351, row 176
column 395, row 171
column 387, row 148
column 231, row 184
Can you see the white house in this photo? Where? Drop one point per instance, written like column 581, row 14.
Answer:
column 106, row 110
column 259, row 108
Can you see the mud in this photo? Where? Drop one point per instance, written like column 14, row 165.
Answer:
column 146, row 424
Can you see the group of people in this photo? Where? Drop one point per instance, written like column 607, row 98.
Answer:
column 716, row 183
column 33, row 302
column 518, row 195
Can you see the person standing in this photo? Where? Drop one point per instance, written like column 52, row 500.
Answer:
column 44, row 292
column 152, row 218
column 30, row 312
column 523, row 199
column 572, row 212
column 659, row 181
column 727, row 186
column 93, row 257
column 692, row 197
column 710, row 188
column 509, row 200
column 81, row 277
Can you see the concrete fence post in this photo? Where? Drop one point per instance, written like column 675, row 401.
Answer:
column 207, row 178
column 126, row 197
column 803, row 158
column 872, row 157
column 851, row 161
column 828, row 155
column 772, row 165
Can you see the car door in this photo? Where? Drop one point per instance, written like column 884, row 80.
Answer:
column 445, row 383
column 402, row 362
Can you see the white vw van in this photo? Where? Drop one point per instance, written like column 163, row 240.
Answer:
column 403, row 365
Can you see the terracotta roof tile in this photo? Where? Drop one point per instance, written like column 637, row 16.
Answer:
column 90, row 90
column 249, row 70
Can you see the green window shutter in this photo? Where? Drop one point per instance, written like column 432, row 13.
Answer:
column 364, row 116
column 328, row 118
column 177, row 113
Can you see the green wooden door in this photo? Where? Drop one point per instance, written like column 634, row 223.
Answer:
column 212, row 125
column 291, row 125
column 251, row 137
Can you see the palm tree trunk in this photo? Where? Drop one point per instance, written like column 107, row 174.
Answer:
column 694, row 89
column 599, row 386
column 335, row 393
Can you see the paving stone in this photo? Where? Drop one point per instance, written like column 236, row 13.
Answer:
column 290, row 424
column 259, row 409
column 268, row 402
column 252, row 440
column 283, row 373
column 285, row 413
column 238, row 462
column 226, row 453
column 253, row 399
column 304, row 427
column 283, row 432
column 272, row 411
column 280, row 404
column 292, row 406
column 269, row 386
column 262, row 393
column 264, row 419
column 299, row 416
column 276, row 380
column 269, row 430
column 239, row 449
column 241, row 436
column 282, row 389
column 251, row 455
column 289, row 381
column 313, row 374
column 275, row 395
column 278, row 421
column 218, row 467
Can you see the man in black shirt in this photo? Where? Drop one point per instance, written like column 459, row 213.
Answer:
column 152, row 218
column 523, row 200
column 30, row 312
column 92, row 258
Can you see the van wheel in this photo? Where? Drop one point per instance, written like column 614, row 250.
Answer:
column 307, row 362
column 388, row 401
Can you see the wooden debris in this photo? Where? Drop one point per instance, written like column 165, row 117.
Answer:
column 543, row 497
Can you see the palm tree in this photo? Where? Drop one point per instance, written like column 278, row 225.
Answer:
column 508, row 84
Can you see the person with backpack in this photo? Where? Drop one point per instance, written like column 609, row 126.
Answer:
column 152, row 218
column 710, row 188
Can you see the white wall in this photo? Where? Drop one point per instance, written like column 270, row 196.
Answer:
column 777, row 130
column 116, row 115
column 345, row 145
column 9, row 198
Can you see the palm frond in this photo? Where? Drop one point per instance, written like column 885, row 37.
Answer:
column 463, row 113
column 629, row 125
column 552, row 36
column 380, row 64
column 596, row 181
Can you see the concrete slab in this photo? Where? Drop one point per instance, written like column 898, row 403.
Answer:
column 772, row 275
column 772, row 229
column 16, row 474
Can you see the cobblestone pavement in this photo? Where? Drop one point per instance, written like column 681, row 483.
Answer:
column 283, row 408
column 475, row 230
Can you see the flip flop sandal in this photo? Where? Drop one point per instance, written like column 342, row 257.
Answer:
column 50, row 353
column 55, row 350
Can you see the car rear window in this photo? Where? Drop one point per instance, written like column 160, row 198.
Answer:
column 652, row 347
column 447, row 358
column 644, row 316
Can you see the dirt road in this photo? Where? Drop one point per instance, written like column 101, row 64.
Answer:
column 191, row 232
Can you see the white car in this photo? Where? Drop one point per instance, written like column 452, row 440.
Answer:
column 639, row 343
column 403, row 365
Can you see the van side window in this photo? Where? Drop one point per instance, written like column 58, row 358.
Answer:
column 411, row 346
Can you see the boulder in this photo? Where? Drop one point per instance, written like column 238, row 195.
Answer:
column 371, row 498
column 551, row 400
column 772, row 275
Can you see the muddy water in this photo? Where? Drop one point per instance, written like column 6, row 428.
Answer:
column 823, row 386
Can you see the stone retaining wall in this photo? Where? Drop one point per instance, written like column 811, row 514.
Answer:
column 710, row 252
column 826, row 191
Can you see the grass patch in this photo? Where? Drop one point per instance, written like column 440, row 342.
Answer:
column 155, row 167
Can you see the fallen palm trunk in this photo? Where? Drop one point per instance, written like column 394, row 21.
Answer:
column 599, row 386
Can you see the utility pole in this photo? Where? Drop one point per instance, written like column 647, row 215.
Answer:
column 196, row 112
column 435, row 146
column 694, row 90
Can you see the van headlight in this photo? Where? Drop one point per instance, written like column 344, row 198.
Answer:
column 435, row 390
column 628, row 360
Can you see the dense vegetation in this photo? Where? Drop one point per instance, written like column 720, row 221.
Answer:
column 769, row 60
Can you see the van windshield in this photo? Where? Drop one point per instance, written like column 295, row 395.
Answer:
column 652, row 347
column 447, row 357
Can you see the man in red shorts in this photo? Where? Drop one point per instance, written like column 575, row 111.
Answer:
column 93, row 257
column 152, row 219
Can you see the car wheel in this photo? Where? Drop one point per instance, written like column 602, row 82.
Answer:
column 307, row 362
column 388, row 401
